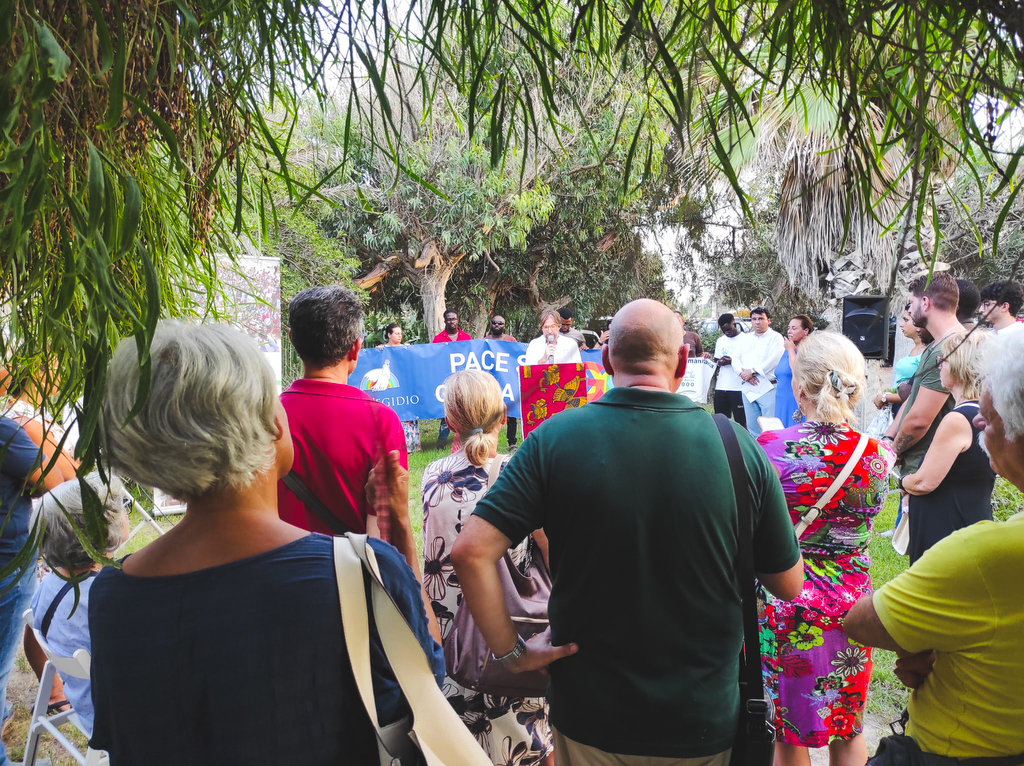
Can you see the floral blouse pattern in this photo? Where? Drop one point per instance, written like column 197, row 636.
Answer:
column 512, row 731
column 817, row 675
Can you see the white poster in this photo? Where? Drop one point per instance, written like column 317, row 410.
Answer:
column 697, row 379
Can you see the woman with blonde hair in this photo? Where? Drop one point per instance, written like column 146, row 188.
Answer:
column 952, row 488
column 819, row 674
column 507, row 728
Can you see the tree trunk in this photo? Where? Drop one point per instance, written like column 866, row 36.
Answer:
column 433, row 284
column 483, row 303
column 431, row 271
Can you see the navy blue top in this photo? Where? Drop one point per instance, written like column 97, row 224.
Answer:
column 20, row 457
column 241, row 663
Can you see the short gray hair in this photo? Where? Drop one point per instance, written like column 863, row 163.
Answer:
column 61, row 510
column 208, row 423
column 1004, row 381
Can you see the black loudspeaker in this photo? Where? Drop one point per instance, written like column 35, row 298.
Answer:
column 866, row 323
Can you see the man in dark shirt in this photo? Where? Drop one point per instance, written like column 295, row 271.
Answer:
column 497, row 332
column 645, row 611
column 692, row 339
column 565, row 322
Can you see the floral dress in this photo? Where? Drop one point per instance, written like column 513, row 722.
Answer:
column 817, row 676
column 510, row 730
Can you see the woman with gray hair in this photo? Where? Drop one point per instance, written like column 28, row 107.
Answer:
column 63, row 622
column 230, row 620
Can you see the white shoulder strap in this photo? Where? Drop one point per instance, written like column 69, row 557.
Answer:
column 440, row 734
column 493, row 470
column 808, row 518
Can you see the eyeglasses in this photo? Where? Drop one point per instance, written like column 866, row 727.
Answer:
column 498, row 324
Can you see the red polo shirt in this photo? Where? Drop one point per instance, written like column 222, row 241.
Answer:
column 442, row 337
column 339, row 433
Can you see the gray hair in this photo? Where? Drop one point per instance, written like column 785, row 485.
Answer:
column 61, row 509
column 325, row 323
column 208, row 423
column 1004, row 381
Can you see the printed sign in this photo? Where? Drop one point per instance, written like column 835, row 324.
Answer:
column 697, row 379
column 548, row 389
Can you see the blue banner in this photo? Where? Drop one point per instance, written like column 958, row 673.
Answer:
column 410, row 379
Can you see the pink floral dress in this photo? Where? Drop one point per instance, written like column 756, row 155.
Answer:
column 817, row 674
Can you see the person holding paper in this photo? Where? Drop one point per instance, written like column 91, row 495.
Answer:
column 552, row 347
column 759, row 353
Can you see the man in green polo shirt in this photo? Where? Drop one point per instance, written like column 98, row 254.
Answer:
column 645, row 611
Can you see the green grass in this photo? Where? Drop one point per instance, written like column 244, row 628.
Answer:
column 886, row 695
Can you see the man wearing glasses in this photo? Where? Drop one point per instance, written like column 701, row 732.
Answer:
column 497, row 332
column 1000, row 303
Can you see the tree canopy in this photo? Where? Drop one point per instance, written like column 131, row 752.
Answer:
column 135, row 136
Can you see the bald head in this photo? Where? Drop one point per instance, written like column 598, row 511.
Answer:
column 645, row 338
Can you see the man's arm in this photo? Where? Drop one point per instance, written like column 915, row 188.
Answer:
column 391, row 477
column 785, row 585
column 477, row 550
column 864, row 626
column 918, row 420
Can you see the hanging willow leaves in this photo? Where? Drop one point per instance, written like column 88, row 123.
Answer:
column 189, row 98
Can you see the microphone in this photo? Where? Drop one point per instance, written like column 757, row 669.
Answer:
column 550, row 339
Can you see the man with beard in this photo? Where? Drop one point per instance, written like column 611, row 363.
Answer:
column 932, row 307
column 449, row 334
column 497, row 332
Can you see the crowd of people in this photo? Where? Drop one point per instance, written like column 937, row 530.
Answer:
column 227, row 618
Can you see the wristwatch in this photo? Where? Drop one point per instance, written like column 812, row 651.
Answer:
column 515, row 654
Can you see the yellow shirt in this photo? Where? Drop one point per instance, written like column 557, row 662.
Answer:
column 965, row 599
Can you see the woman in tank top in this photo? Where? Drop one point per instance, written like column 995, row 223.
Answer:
column 953, row 487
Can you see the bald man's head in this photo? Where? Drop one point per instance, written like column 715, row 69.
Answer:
column 645, row 335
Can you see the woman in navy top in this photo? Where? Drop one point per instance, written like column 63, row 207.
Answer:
column 221, row 642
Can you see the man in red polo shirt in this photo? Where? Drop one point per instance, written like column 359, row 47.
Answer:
column 338, row 431
column 451, row 332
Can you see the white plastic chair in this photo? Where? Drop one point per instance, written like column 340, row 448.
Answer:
column 77, row 666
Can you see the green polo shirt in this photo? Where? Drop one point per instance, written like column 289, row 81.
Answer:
column 635, row 496
column 927, row 376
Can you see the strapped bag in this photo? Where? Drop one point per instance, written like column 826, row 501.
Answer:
column 433, row 734
column 312, row 503
column 755, row 736
column 808, row 518
column 466, row 654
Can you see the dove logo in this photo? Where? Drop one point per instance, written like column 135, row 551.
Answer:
column 379, row 379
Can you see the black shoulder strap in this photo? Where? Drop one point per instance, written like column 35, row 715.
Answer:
column 51, row 610
column 751, row 683
column 301, row 491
